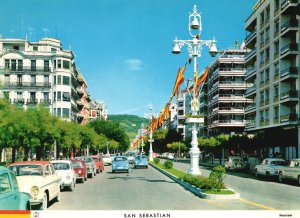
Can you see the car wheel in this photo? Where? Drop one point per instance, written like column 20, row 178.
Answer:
column 83, row 179
column 256, row 173
column 299, row 180
column 92, row 175
column 45, row 202
column 280, row 177
column 86, row 176
column 72, row 187
column 113, row 171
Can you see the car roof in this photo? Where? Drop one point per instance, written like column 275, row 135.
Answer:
column 271, row 159
column 3, row 169
column 61, row 161
column 39, row 162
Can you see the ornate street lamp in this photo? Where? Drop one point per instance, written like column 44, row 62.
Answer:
column 150, row 137
column 194, row 47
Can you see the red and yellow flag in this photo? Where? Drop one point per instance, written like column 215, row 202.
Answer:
column 179, row 79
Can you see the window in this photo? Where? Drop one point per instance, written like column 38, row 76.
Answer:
column 66, row 80
column 267, row 35
column 262, row 19
column 58, row 63
column 180, row 104
column 262, row 38
column 180, row 112
column 276, row 48
column 46, row 65
column 46, row 80
column 66, row 96
column 16, row 47
column 5, row 186
column 33, row 80
column 276, row 90
column 46, row 96
column 58, row 112
column 276, row 112
column 262, row 78
column 35, row 48
column 14, row 182
column 267, row 54
column 33, row 65
column 13, row 64
column 19, row 80
column 276, row 68
column 267, row 74
column 58, row 96
column 54, row 96
column 276, row 5
column 66, row 64
column 58, row 80
column 268, row 14
column 262, row 116
column 53, row 50
column 20, row 65
column 54, row 64
column 6, row 79
column 267, row 95
column 32, row 96
column 267, row 114
column 7, row 64
column 66, row 113
column 276, row 28
column 262, row 97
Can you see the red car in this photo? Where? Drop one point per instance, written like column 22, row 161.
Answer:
column 80, row 169
column 99, row 162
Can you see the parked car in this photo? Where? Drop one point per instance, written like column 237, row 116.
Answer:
column 141, row 161
column 291, row 172
column 39, row 179
column 235, row 163
column 269, row 167
column 10, row 196
column 90, row 165
column 106, row 160
column 130, row 157
column 65, row 170
column 99, row 163
column 80, row 170
column 120, row 163
column 112, row 157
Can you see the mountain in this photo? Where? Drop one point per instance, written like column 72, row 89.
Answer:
column 130, row 123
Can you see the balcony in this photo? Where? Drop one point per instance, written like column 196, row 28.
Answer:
column 251, row 90
column 32, row 102
column 26, row 85
column 289, row 27
column 289, row 73
column 46, row 102
column 289, row 97
column 79, row 90
column 80, row 115
column 288, row 118
column 289, row 7
column 232, row 71
column 25, row 70
column 228, row 123
column 232, row 84
column 288, row 50
column 231, row 98
column 19, row 102
column 250, row 72
column 250, row 37
column 250, row 124
column 250, row 55
column 79, row 102
column 250, row 107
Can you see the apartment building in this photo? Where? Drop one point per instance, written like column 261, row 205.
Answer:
column 40, row 72
column 179, row 118
column 98, row 110
column 272, row 63
column 225, row 91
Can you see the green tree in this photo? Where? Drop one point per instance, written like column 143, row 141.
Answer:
column 177, row 147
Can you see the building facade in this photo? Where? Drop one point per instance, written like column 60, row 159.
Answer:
column 272, row 63
column 40, row 72
column 98, row 110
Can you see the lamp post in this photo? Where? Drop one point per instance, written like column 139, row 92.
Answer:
column 194, row 49
column 150, row 138
column 141, row 133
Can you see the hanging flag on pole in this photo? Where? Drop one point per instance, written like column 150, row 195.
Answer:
column 179, row 79
column 196, row 81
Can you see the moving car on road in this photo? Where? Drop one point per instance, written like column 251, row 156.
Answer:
column 291, row 172
column 39, row 179
column 65, row 170
column 106, row 160
column 269, row 167
column 80, row 170
column 141, row 161
column 130, row 157
column 99, row 163
column 90, row 165
column 120, row 163
column 10, row 196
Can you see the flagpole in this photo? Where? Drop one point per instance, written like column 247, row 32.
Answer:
column 150, row 135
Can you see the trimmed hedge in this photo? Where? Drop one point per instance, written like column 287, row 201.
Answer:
column 156, row 160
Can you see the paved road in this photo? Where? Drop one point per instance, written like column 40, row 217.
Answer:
column 141, row 189
column 260, row 192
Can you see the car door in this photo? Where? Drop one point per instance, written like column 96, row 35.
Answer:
column 55, row 179
column 294, row 171
column 9, row 197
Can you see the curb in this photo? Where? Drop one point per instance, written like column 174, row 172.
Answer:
column 196, row 190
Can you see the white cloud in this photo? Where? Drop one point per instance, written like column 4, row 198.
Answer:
column 134, row 64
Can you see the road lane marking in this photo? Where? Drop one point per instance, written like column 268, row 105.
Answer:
column 256, row 204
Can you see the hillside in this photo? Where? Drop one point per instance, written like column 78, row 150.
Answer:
column 130, row 123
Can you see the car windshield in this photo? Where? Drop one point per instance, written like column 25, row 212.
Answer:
column 120, row 159
column 61, row 166
column 27, row 170
column 77, row 164
column 88, row 160
column 141, row 157
column 279, row 162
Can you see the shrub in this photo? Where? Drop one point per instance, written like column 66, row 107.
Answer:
column 168, row 164
column 216, row 176
column 156, row 160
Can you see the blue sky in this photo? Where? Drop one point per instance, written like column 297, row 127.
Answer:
column 123, row 47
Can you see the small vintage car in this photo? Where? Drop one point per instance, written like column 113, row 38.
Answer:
column 235, row 163
column 39, row 179
column 141, row 161
column 291, row 172
column 120, row 163
column 65, row 170
column 269, row 167
column 130, row 157
column 106, row 160
column 80, row 170
column 99, row 163
column 90, row 165
column 10, row 196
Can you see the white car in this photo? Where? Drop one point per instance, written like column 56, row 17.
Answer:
column 39, row 179
column 106, row 160
column 64, row 169
column 269, row 167
column 291, row 172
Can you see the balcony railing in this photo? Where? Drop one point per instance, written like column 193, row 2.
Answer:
column 250, row 107
column 25, row 69
column 250, row 89
column 289, row 47
column 289, row 71
column 248, row 55
column 288, row 117
column 289, row 94
column 285, row 3
column 251, row 36
column 27, row 85
column 250, row 124
column 289, row 24
column 250, row 71
column 32, row 102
